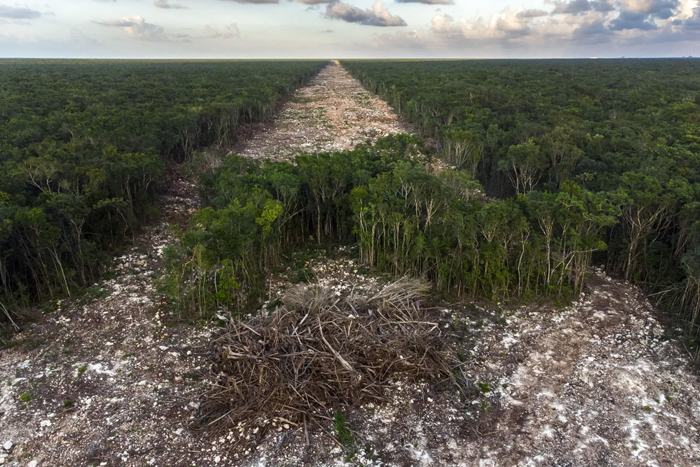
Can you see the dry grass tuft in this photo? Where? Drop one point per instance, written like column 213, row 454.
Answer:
column 319, row 352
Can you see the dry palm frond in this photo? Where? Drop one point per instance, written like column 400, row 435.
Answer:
column 320, row 352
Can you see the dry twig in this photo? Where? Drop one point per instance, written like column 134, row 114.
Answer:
column 318, row 353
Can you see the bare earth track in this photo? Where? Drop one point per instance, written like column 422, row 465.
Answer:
column 333, row 113
column 105, row 380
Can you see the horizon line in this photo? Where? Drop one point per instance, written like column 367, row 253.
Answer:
column 350, row 58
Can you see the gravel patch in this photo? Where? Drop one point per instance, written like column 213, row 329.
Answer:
column 333, row 113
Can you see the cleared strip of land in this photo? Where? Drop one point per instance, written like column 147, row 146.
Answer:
column 104, row 380
column 334, row 112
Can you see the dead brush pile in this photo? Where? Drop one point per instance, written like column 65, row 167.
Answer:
column 320, row 352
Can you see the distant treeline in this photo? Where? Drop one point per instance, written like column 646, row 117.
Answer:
column 83, row 148
column 406, row 220
column 628, row 130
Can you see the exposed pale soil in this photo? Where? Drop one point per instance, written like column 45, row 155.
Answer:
column 111, row 383
column 334, row 112
column 596, row 383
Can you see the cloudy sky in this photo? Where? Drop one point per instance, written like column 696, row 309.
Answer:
column 349, row 28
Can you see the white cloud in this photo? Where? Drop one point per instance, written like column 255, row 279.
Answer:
column 378, row 15
column 255, row 1
column 531, row 13
column 228, row 32
column 139, row 28
column 428, row 2
column 170, row 6
column 18, row 12
column 573, row 23
column 411, row 40
column 502, row 26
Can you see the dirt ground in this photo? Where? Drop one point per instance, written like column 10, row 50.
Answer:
column 106, row 379
column 599, row 382
column 103, row 379
column 334, row 112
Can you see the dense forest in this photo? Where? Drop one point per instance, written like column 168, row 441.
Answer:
column 556, row 166
column 406, row 220
column 624, row 131
column 84, row 146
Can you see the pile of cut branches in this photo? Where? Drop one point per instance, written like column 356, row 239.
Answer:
column 320, row 352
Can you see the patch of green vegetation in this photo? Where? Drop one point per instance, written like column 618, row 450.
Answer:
column 342, row 432
column 68, row 218
column 370, row 453
column 304, row 275
column 274, row 304
column 96, row 292
column 25, row 397
column 68, row 403
column 483, row 386
column 81, row 370
column 344, row 435
column 7, row 343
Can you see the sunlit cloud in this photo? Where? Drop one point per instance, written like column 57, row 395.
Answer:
column 303, row 28
column 378, row 15
column 139, row 28
column 573, row 23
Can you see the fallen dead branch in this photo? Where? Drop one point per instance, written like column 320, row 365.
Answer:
column 318, row 353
